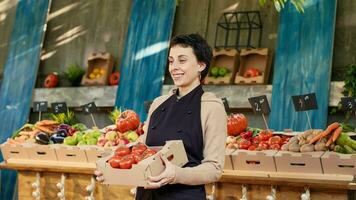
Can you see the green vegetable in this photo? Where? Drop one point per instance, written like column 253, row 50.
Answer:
column 74, row 74
column 340, row 149
column 80, row 127
column 65, row 118
column 344, row 139
column 115, row 114
column 349, row 150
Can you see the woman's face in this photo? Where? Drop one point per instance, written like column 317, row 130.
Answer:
column 184, row 66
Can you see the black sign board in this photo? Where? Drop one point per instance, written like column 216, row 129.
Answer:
column 348, row 103
column 89, row 108
column 40, row 106
column 59, row 107
column 226, row 103
column 260, row 104
column 305, row 102
column 147, row 105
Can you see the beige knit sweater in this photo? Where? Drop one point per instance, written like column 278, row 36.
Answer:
column 214, row 126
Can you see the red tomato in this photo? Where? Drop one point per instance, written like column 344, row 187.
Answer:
column 263, row 145
column 114, row 78
column 148, row 152
column 252, row 72
column 252, row 148
column 122, row 151
column 256, row 140
column 114, row 162
column 139, row 148
column 51, row 81
column 126, row 162
column 244, row 144
column 275, row 140
column 137, row 157
column 236, row 124
column 128, row 121
column 265, row 135
column 275, row 146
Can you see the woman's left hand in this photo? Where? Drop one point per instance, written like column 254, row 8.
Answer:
column 166, row 177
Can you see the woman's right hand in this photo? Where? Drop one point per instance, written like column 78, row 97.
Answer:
column 99, row 176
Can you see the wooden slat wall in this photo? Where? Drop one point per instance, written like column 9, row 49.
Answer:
column 303, row 64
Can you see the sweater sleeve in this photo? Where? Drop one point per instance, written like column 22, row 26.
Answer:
column 214, row 124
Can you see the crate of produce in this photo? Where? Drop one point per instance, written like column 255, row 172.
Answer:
column 254, row 160
column 229, row 159
column 100, row 66
column 70, row 153
column 336, row 163
column 254, row 66
column 14, row 151
column 42, row 152
column 94, row 153
column 307, row 162
column 223, row 67
column 136, row 174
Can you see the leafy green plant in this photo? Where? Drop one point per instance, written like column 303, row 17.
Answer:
column 349, row 89
column 279, row 4
column 65, row 118
column 74, row 74
column 115, row 114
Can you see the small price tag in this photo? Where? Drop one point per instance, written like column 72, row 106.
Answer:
column 40, row 106
column 59, row 107
column 348, row 103
column 147, row 105
column 260, row 104
column 305, row 102
column 89, row 108
column 226, row 103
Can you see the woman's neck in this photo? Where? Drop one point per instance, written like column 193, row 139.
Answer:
column 183, row 90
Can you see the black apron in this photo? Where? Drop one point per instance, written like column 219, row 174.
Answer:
column 177, row 119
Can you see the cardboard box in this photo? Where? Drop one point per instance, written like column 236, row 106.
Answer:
column 151, row 166
column 14, row 151
column 254, row 160
column 259, row 59
column 94, row 153
column 227, row 58
column 308, row 162
column 336, row 163
column 229, row 159
column 42, row 152
column 100, row 62
column 70, row 153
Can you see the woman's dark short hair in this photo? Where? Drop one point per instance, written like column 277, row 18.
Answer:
column 200, row 48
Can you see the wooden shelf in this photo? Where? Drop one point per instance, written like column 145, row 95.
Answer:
column 104, row 96
column 290, row 179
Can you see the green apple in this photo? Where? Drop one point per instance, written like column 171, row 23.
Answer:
column 111, row 136
column 131, row 136
column 70, row 140
column 214, row 71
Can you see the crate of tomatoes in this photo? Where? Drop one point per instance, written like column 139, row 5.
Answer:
column 132, row 164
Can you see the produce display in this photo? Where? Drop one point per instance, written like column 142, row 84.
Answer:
column 97, row 72
column 124, row 157
column 218, row 71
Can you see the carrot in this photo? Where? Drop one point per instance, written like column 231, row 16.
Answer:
column 337, row 133
column 329, row 142
column 316, row 138
column 330, row 128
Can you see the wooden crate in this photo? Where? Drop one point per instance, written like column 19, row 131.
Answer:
column 254, row 58
column 227, row 58
column 98, row 61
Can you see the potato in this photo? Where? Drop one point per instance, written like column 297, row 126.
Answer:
column 320, row 146
column 307, row 148
column 285, row 147
column 294, row 147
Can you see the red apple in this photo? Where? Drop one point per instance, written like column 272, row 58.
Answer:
column 114, row 78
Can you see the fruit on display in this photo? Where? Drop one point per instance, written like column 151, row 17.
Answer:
column 51, row 80
column 97, row 72
column 256, row 139
column 114, row 78
column 218, row 71
column 127, row 121
column 124, row 157
column 236, row 123
column 251, row 72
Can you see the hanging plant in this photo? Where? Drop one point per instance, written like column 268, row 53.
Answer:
column 279, row 4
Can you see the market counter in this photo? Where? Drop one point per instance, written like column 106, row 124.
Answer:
column 233, row 185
